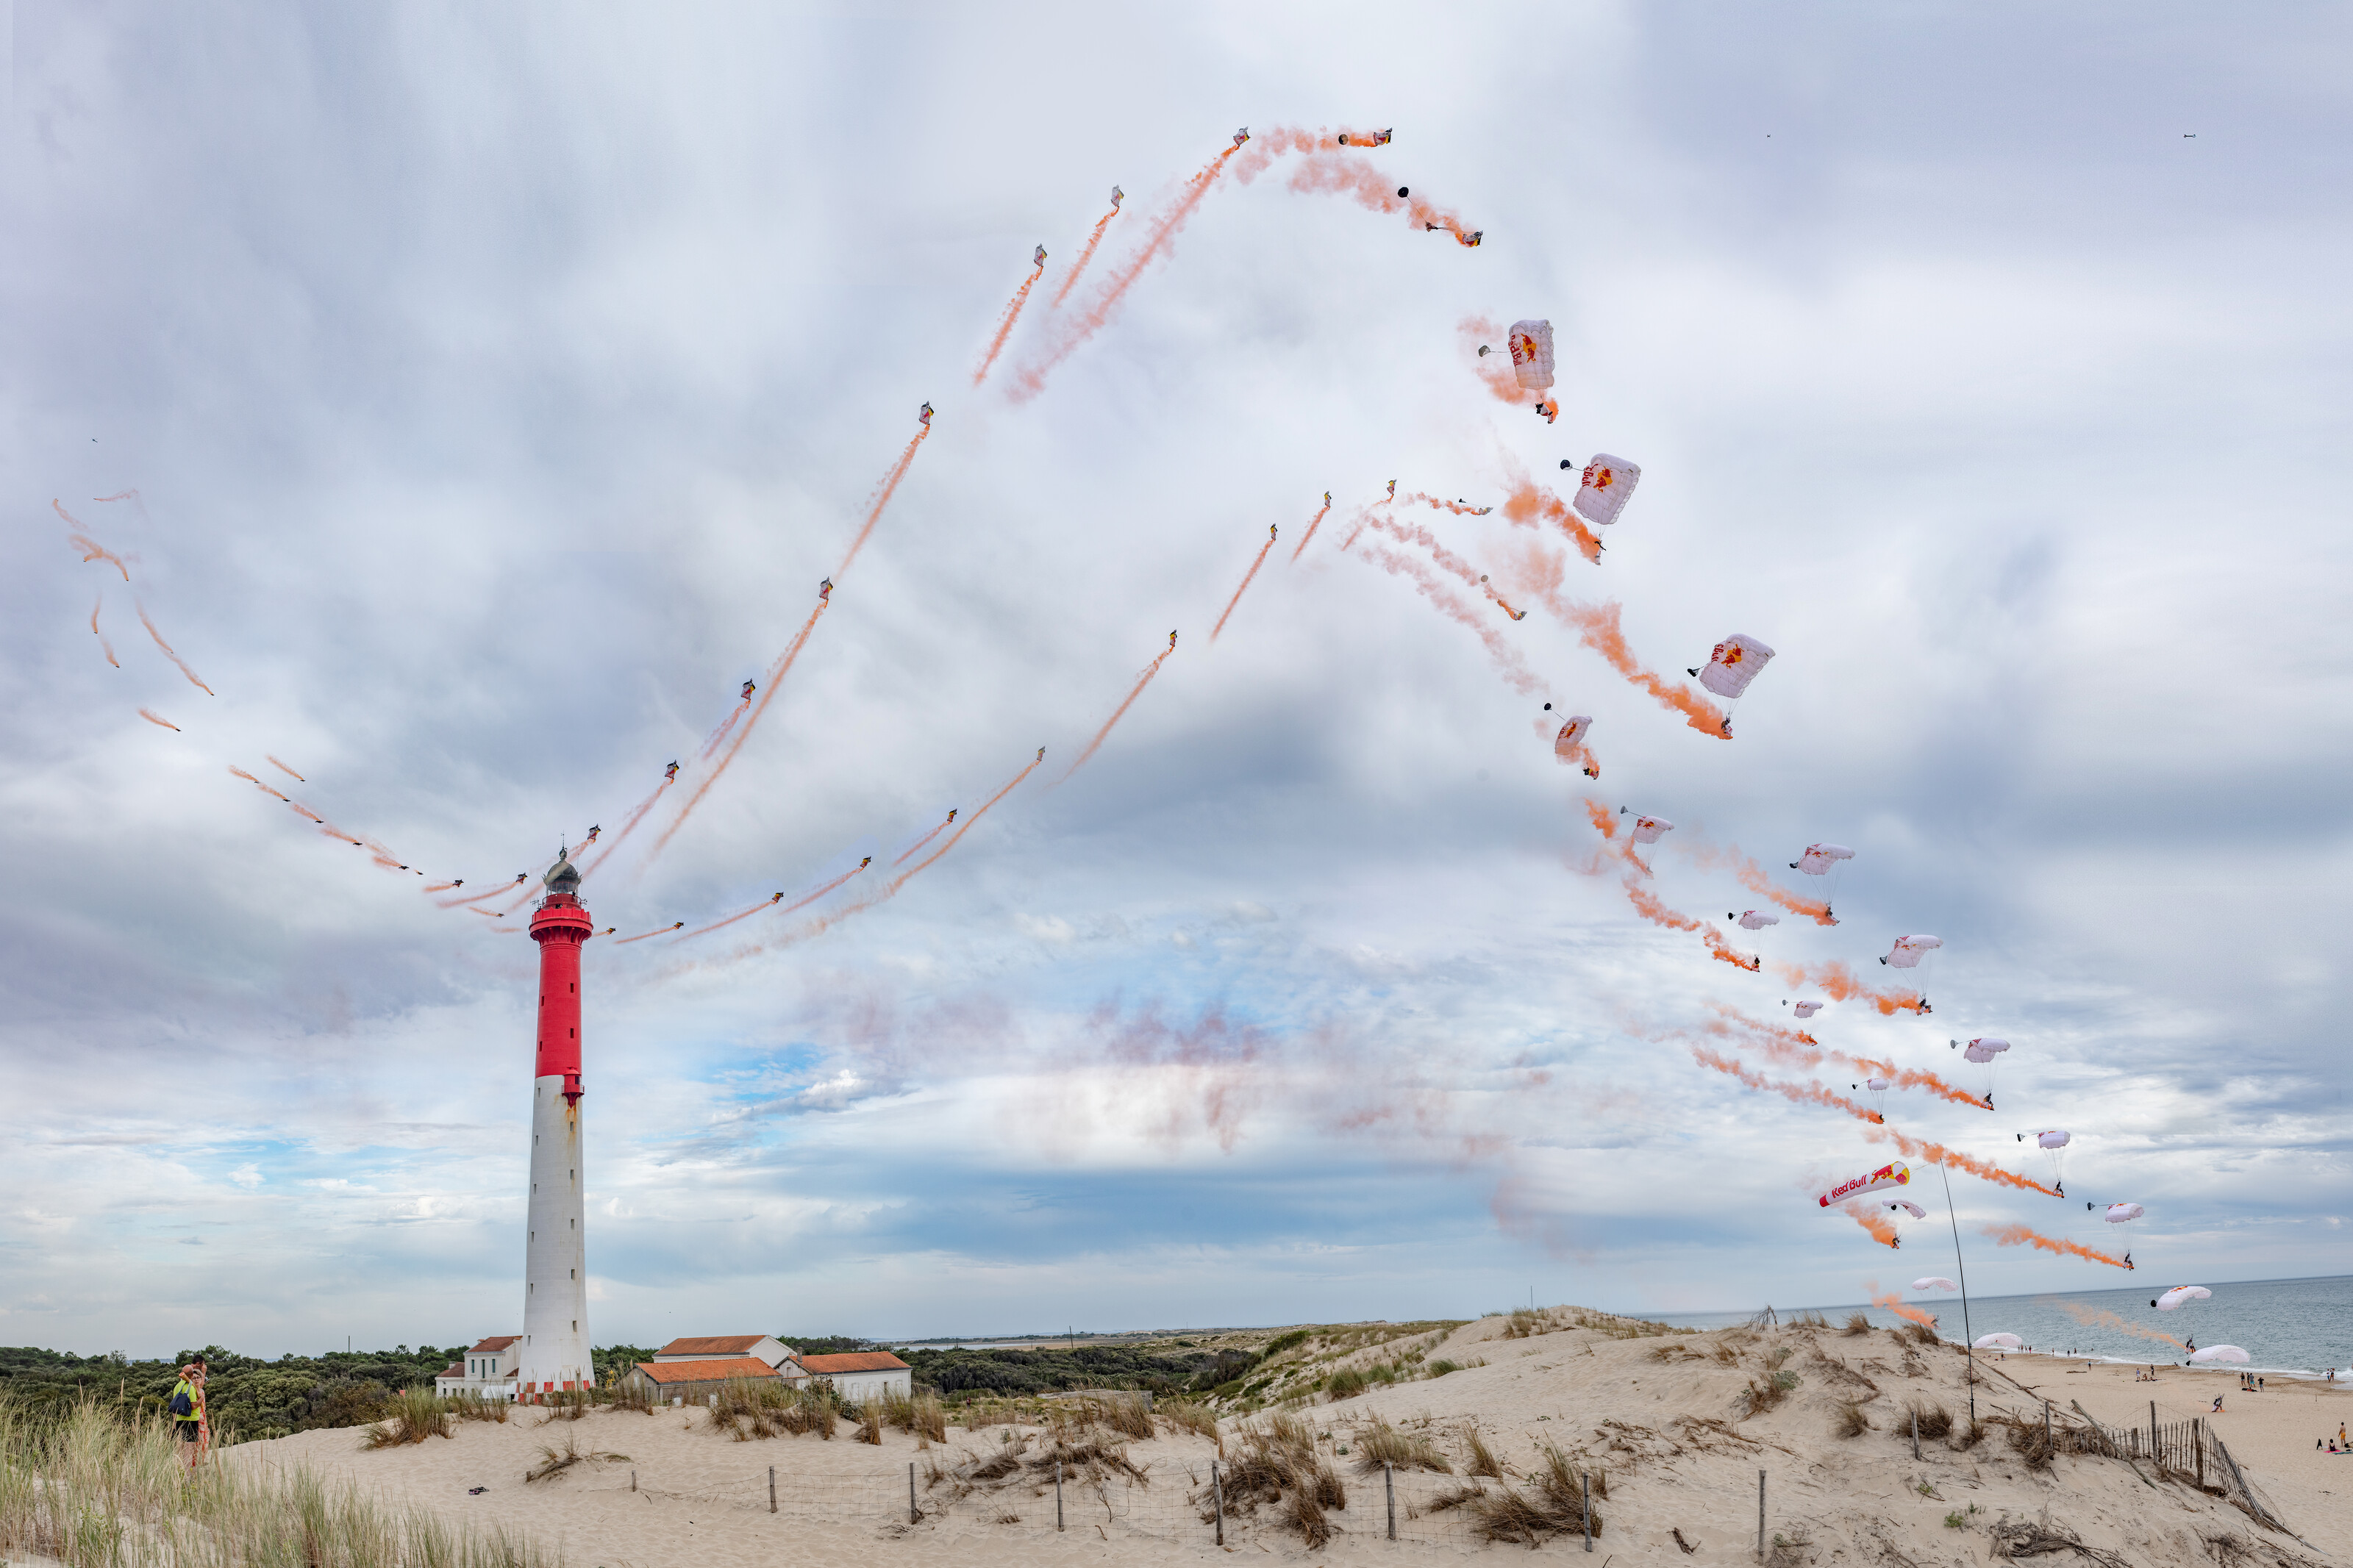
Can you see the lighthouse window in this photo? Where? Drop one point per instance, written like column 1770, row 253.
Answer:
column 572, row 986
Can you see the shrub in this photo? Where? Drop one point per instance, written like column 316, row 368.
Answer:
column 870, row 1423
column 1934, row 1420
column 554, row 1461
column 1857, row 1324
column 1851, row 1421
column 1185, row 1415
column 410, row 1417
column 1482, row 1459
column 1382, row 1444
column 1554, row 1502
column 1346, row 1383
column 1441, row 1366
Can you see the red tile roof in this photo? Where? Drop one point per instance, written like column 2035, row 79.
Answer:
column 858, row 1361
column 455, row 1369
column 497, row 1342
column 716, row 1371
column 725, row 1344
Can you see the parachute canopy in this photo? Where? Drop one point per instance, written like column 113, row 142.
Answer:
column 1909, row 950
column 1998, row 1342
column 2180, row 1294
column 1755, row 920
column 1933, row 1283
column 1531, row 344
column 1734, row 664
column 2118, row 1214
column 1647, row 829
column 1908, row 1207
column 1819, row 857
column 1892, row 1175
column 2212, row 1354
column 1602, row 492
column 1877, row 1085
column 1573, row 732
column 1985, row 1051
column 2057, row 1138
column 1807, row 1009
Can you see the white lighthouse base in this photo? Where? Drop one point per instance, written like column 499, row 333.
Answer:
column 554, row 1354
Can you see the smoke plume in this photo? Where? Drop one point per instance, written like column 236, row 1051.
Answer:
column 1256, row 561
column 2021, row 1235
column 175, row 657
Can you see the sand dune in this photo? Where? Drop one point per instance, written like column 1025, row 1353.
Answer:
column 1662, row 1418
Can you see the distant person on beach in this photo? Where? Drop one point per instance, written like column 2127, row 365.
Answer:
column 2217, row 1406
column 187, row 1409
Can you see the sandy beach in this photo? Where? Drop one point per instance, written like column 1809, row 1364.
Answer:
column 1661, row 1418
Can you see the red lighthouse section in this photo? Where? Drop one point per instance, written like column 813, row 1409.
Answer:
column 560, row 927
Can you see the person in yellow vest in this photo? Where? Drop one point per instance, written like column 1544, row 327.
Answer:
column 189, row 1421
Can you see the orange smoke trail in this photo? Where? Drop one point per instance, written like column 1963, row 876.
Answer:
column 119, row 495
column 1530, row 502
column 710, row 743
column 1514, row 665
column 1605, row 822
column 439, row 887
column 498, row 892
column 154, row 719
column 1651, row 909
column 889, row 890
column 1795, row 1047
column 882, row 498
column 1339, row 174
column 175, row 657
column 258, row 784
column 919, row 842
column 767, row 693
column 1312, row 524
column 800, row 904
column 1438, row 504
column 1258, row 561
column 1838, row 982
column 2100, row 1318
column 1085, row 255
column 107, row 646
column 282, row 768
column 1012, row 314
column 642, row 935
column 1161, row 234
column 1538, row 574
column 2021, row 1235
column 1898, row 1305
column 1134, row 692
column 1493, row 369
column 1578, row 755
column 91, row 549
column 1878, row 1131
column 1872, row 1220
column 1753, row 877
column 628, row 825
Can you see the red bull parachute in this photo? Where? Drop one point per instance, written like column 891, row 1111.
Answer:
column 1606, row 486
column 1734, row 662
column 1909, row 951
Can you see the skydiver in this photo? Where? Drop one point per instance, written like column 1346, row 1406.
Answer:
column 925, row 416
column 680, row 926
column 2128, row 1261
column 776, row 898
column 867, row 862
column 824, row 590
column 1242, row 136
column 1042, row 757
column 748, row 689
column 591, row 838
column 1039, row 259
column 1392, row 489
column 1549, row 408
column 458, row 883
column 608, row 930
column 1172, row 642
column 1117, row 196
column 1270, row 534
column 671, row 773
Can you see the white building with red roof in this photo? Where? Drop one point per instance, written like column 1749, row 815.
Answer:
column 862, row 1375
column 489, row 1370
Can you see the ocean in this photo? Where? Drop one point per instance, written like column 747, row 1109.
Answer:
column 2289, row 1327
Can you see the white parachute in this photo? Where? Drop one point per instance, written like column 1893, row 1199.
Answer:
column 1819, row 857
column 1934, row 1282
column 1753, row 920
column 1807, row 1009
column 1647, row 829
column 1573, row 732
column 1984, row 1052
column 1607, row 484
column 2212, row 1355
column 1531, row 344
column 1909, row 951
column 1998, row 1342
column 1876, row 1090
column 2180, row 1295
column 1914, row 1210
column 2121, row 1213
column 1734, row 662
column 2053, row 1144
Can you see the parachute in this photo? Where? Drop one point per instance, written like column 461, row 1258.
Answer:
column 2180, row 1294
column 1908, row 1207
column 1531, row 344
column 1753, row 920
column 1819, row 857
column 1877, row 1089
column 1909, row 950
column 2213, row 1353
column 1998, row 1342
column 1933, row 1283
column 2121, row 1213
column 2053, row 1144
column 1807, row 1009
column 1573, row 732
column 1897, row 1174
column 1983, row 1051
column 1647, row 829
column 1603, row 492
column 1734, row 664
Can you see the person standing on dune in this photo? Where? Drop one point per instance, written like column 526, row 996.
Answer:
column 189, row 1420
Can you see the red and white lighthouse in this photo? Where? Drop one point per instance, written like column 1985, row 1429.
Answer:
column 554, row 1349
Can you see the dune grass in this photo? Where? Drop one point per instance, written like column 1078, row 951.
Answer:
column 1382, row 1444
column 1856, row 1323
column 94, row 1489
column 1554, row 1502
column 410, row 1417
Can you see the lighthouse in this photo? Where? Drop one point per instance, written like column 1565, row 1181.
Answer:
column 554, row 1349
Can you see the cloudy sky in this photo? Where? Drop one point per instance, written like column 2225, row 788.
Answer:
column 494, row 392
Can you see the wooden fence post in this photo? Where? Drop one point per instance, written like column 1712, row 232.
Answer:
column 1217, row 1496
column 772, row 1488
column 2198, row 1441
column 1915, row 1435
column 1760, row 1515
column 1388, row 1485
column 1058, row 1494
column 915, row 1516
column 1585, row 1504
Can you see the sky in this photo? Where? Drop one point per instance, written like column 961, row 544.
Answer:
column 487, row 396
